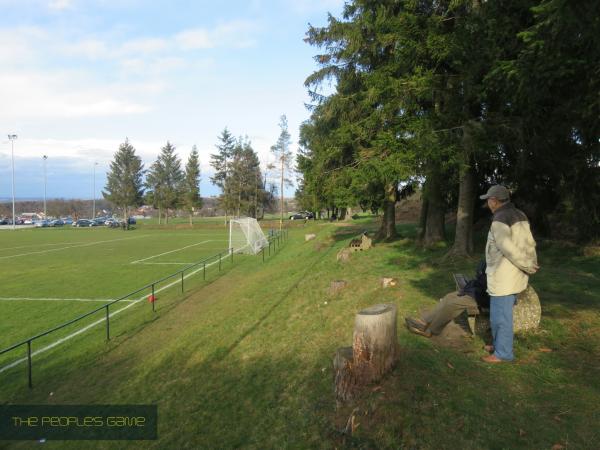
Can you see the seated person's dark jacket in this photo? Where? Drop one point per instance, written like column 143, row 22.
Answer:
column 477, row 288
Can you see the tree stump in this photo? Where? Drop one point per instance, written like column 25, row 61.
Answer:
column 374, row 351
column 343, row 255
column 309, row 237
column 346, row 384
column 336, row 286
column 387, row 282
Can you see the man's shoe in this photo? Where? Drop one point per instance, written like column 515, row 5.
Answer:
column 493, row 359
column 417, row 327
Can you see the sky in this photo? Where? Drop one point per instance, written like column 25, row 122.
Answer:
column 78, row 77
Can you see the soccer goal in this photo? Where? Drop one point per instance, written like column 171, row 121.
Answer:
column 246, row 236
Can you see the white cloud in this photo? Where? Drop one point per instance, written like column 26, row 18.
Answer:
column 60, row 4
column 234, row 34
column 194, row 39
column 62, row 94
column 84, row 152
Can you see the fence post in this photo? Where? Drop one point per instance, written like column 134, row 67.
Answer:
column 204, row 272
column 269, row 247
column 219, row 262
column 231, row 250
column 263, row 254
column 153, row 298
column 29, row 363
column 182, row 281
column 107, row 325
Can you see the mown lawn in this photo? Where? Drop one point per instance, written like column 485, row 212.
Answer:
column 246, row 361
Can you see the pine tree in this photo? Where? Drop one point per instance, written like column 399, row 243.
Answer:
column 124, row 186
column 220, row 163
column 191, row 186
column 173, row 178
column 164, row 181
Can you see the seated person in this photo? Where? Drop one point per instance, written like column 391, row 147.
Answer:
column 473, row 296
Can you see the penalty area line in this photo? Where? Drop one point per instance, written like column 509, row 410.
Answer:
column 99, row 321
column 170, row 251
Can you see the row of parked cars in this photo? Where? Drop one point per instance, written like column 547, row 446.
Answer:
column 103, row 221
column 99, row 221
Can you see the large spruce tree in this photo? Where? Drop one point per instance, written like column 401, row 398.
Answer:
column 220, row 162
column 124, row 186
column 191, row 185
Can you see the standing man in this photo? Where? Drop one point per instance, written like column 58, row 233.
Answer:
column 510, row 256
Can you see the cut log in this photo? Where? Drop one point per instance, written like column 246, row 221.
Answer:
column 336, row 286
column 387, row 282
column 375, row 343
column 309, row 237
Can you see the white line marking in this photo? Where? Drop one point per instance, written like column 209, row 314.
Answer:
column 99, row 321
column 164, row 263
column 73, row 246
column 47, row 299
column 42, row 245
column 170, row 251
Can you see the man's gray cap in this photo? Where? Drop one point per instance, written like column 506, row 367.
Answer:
column 497, row 191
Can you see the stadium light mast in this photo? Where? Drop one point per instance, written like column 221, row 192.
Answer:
column 12, row 138
column 94, row 193
column 45, row 158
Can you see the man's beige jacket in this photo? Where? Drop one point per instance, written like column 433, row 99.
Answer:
column 510, row 252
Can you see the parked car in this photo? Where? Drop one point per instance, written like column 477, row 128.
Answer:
column 42, row 223
column 131, row 221
column 67, row 220
column 4, row 221
column 308, row 214
column 98, row 222
column 83, row 223
column 56, row 223
column 112, row 223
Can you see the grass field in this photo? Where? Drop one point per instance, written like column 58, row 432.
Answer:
column 50, row 276
column 245, row 361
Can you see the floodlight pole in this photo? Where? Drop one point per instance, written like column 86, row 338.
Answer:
column 45, row 158
column 12, row 138
column 94, row 193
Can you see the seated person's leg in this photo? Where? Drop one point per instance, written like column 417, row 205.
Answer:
column 448, row 308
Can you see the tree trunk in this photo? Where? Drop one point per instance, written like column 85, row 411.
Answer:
column 191, row 219
column 387, row 231
column 349, row 213
column 281, row 208
column 434, row 227
column 463, row 240
column 159, row 214
column 374, row 351
column 423, row 216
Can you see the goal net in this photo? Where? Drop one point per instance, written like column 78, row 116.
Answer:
column 246, row 236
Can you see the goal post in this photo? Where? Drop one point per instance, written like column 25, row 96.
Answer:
column 246, row 236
